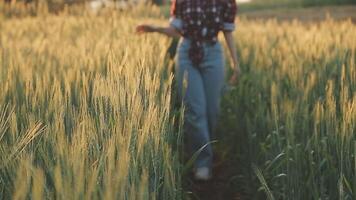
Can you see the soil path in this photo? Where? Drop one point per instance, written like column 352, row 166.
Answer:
column 220, row 187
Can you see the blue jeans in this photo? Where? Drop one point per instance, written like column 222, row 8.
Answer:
column 200, row 90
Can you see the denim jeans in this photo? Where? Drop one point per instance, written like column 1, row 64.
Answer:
column 200, row 90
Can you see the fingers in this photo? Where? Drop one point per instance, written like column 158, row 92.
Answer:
column 234, row 78
column 143, row 29
column 140, row 29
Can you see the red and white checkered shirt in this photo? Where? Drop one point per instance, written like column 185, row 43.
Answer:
column 201, row 20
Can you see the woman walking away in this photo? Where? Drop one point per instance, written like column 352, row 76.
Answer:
column 200, row 62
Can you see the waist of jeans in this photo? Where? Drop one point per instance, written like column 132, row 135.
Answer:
column 205, row 42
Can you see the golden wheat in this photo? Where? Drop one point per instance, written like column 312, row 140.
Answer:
column 86, row 108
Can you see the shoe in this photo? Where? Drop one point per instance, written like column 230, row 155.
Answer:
column 202, row 174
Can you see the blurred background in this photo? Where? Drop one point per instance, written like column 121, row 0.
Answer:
column 304, row 10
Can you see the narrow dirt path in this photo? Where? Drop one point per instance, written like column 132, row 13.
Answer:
column 220, row 187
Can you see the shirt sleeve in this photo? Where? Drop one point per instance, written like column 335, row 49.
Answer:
column 176, row 15
column 230, row 10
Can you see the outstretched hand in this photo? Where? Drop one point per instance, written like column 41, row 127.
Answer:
column 143, row 28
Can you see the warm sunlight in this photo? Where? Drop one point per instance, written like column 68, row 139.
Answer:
column 177, row 100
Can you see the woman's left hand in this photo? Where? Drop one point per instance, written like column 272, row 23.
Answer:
column 235, row 76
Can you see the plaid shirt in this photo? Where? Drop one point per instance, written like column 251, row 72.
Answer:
column 201, row 20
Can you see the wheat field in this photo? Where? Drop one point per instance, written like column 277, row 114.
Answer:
column 294, row 113
column 86, row 109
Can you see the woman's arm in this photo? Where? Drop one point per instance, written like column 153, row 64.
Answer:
column 229, row 38
column 175, row 22
column 168, row 31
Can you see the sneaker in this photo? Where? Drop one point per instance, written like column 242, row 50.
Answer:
column 202, row 174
